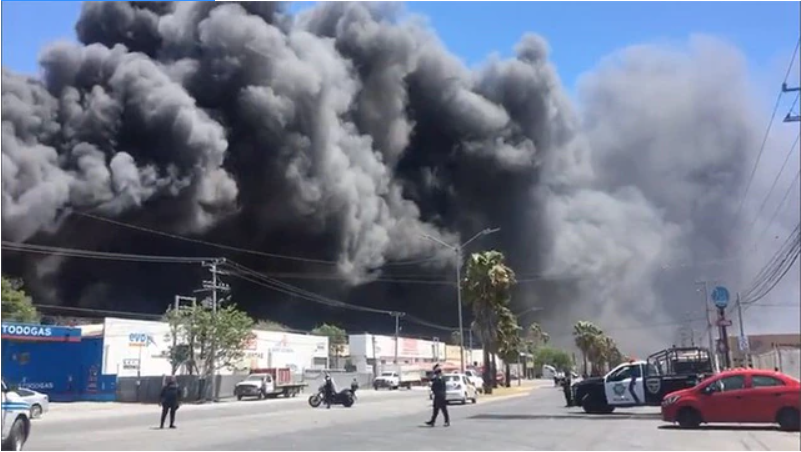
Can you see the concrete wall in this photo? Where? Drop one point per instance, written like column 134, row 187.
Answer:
column 148, row 389
column 786, row 359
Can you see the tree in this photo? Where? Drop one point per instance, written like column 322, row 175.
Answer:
column 487, row 288
column 195, row 332
column 536, row 337
column 559, row 359
column 270, row 325
column 17, row 305
column 586, row 336
column 508, row 340
column 337, row 338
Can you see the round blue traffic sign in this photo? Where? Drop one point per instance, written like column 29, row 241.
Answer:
column 720, row 296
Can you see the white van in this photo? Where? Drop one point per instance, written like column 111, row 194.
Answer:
column 16, row 421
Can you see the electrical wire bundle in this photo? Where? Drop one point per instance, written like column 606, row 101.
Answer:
column 773, row 272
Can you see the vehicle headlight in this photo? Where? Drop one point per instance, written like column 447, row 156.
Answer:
column 670, row 400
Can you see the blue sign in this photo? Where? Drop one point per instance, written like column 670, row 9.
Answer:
column 720, row 296
column 30, row 332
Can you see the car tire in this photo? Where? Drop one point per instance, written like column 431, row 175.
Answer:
column 788, row 419
column 239, row 397
column 16, row 436
column 474, row 400
column 36, row 411
column 688, row 418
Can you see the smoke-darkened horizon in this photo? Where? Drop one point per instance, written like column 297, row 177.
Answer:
column 348, row 134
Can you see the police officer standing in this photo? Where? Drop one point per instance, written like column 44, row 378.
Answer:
column 169, row 400
column 440, row 402
column 566, row 383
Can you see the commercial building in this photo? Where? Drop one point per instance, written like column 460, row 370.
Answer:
column 759, row 344
column 367, row 350
column 141, row 348
column 56, row 361
column 85, row 363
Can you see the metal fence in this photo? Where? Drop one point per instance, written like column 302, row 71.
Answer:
column 148, row 389
column 786, row 359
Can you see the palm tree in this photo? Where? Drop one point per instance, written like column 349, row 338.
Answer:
column 487, row 288
column 586, row 336
column 508, row 340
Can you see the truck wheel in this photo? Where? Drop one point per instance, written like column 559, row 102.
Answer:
column 16, row 436
column 239, row 397
column 591, row 405
column 688, row 418
column 261, row 395
column 788, row 419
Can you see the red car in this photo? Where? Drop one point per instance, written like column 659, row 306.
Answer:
column 737, row 396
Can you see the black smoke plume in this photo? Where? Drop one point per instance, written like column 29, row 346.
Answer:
column 347, row 134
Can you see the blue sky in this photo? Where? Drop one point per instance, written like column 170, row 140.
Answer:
column 580, row 33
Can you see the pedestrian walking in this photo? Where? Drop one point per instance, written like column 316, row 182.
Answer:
column 440, row 402
column 169, row 400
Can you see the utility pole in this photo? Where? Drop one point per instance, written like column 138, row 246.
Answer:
column 458, row 249
column 214, row 285
column 174, row 333
column 742, row 342
column 397, row 316
column 375, row 358
column 712, row 348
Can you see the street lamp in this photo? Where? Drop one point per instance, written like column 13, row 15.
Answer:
column 458, row 249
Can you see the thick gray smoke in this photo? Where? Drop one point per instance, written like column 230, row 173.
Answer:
column 347, row 134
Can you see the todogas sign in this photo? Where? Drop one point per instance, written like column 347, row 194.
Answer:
column 26, row 332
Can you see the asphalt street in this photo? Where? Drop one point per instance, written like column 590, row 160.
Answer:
column 394, row 420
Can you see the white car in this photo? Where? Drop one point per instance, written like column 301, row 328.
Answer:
column 475, row 377
column 16, row 422
column 40, row 403
column 458, row 388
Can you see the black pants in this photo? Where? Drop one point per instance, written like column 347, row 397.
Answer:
column 568, row 397
column 164, row 410
column 440, row 404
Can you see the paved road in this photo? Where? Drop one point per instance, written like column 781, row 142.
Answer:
column 393, row 421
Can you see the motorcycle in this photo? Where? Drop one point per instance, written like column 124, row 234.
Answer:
column 344, row 397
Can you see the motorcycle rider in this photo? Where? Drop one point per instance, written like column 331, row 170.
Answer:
column 440, row 402
column 328, row 391
column 354, row 385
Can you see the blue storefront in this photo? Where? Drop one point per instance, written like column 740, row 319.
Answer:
column 56, row 361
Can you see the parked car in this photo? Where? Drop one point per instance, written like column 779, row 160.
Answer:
column 741, row 396
column 40, row 403
column 458, row 388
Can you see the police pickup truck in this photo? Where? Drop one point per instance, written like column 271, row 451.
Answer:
column 640, row 383
column 16, row 420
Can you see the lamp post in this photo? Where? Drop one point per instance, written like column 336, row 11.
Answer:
column 458, row 249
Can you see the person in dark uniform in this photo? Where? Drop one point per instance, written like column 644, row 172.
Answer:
column 169, row 401
column 329, row 391
column 354, row 385
column 440, row 402
column 566, row 383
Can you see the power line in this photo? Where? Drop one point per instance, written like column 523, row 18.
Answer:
column 230, row 247
column 775, row 180
column 767, row 134
column 103, row 255
column 779, row 207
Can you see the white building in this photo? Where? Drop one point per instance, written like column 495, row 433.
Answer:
column 137, row 347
